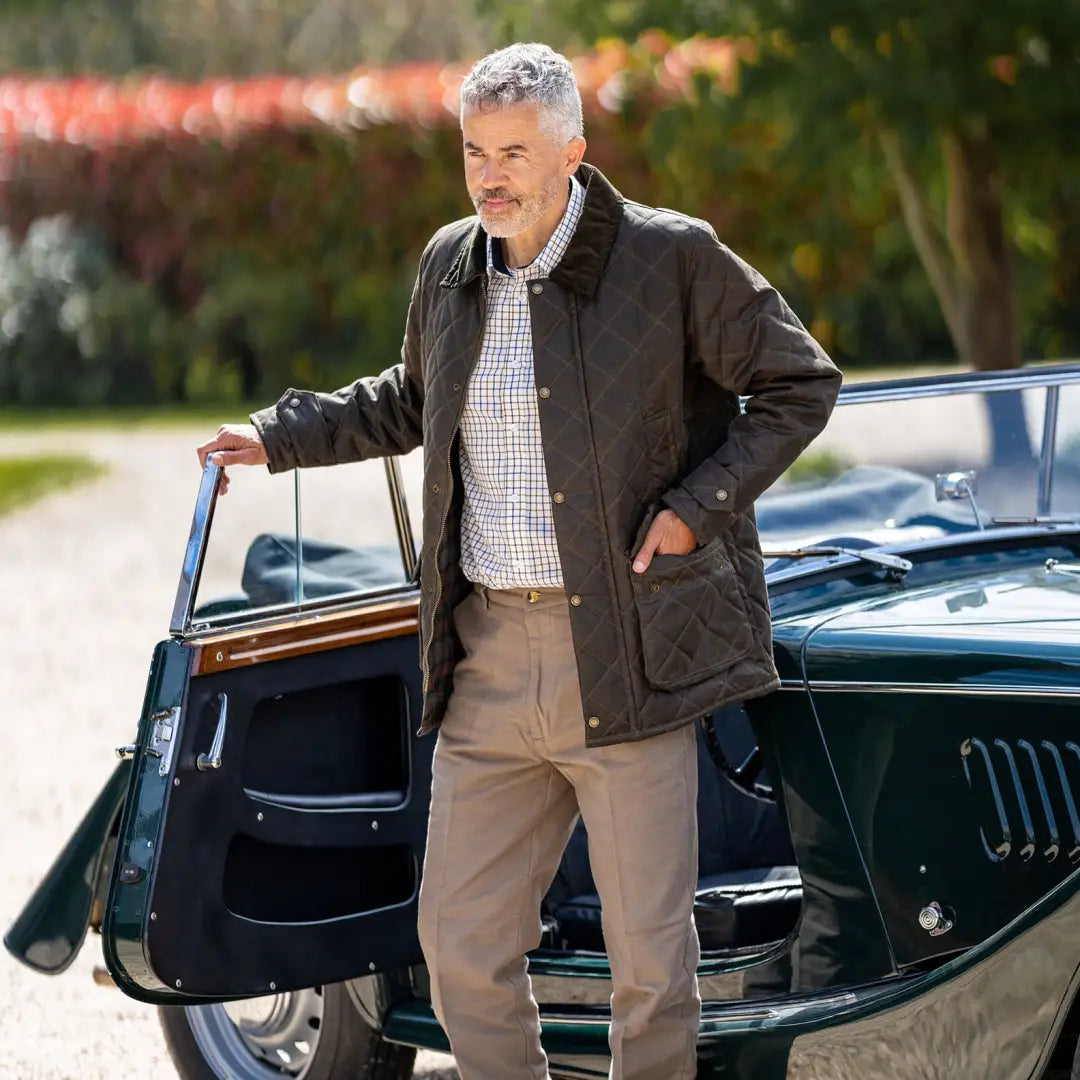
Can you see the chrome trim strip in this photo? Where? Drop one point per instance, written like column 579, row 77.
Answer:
column 716, row 1013
column 399, row 506
column 1066, row 791
column 195, row 552
column 994, row 852
column 1054, row 847
column 299, row 538
column 279, row 615
column 1028, row 849
column 962, row 383
column 1046, row 458
column 967, row 689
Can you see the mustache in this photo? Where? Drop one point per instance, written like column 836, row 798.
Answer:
column 497, row 194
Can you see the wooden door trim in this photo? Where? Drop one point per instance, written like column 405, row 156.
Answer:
column 308, row 634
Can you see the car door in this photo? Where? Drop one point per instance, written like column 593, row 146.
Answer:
column 275, row 821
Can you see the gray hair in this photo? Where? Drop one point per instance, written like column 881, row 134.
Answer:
column 527, row 74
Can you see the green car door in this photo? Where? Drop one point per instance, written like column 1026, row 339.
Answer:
column 275, row 817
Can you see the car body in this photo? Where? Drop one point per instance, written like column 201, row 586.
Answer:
column 890, row 841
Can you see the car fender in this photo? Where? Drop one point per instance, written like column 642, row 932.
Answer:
column 50, row 930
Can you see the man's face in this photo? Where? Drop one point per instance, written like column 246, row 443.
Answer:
column 515, row 170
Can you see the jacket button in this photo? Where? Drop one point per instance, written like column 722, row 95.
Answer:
column 435, row 488
column 721, row 495
column 457, row 386
column 558, row 497
column 537, row 287
column 594, row 721
column 575, row 600
column 294, row 403
column 544, row 392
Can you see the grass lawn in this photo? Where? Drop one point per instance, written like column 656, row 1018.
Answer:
column 24, row 479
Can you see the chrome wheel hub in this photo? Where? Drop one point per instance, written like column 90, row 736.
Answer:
column 261, row 1038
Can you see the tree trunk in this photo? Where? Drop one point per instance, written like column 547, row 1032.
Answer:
column 986, row 333
column 969, row 264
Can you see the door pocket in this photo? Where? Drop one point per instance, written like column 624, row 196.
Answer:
column 692, row 615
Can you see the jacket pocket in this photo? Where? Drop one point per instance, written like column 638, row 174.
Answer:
column 661, row 449
column 693, row 620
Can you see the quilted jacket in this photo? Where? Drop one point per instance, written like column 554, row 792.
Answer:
column 644, row 338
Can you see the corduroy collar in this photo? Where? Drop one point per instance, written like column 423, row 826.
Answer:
column 588, row 251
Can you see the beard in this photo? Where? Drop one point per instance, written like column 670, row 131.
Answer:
column 521, row 214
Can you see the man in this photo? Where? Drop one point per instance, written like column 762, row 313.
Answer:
column 591, row 581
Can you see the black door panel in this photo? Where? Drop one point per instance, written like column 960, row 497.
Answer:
column 297, row 860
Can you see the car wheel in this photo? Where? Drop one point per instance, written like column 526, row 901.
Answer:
column 314, row 1034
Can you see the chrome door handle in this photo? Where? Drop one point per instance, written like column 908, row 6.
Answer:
column 213, row 759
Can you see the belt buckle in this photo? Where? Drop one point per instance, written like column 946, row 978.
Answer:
column 532, row 596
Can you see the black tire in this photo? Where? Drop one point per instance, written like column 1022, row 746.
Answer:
column 343, row 1046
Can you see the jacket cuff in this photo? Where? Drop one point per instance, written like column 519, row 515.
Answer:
column 705, row 501
column 269, row 423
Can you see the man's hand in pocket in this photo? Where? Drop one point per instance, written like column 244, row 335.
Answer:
column 667, row 535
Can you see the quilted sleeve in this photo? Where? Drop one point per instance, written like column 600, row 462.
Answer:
column 746, row 339
column 373, row 417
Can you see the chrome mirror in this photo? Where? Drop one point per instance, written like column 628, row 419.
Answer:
column 957, row 486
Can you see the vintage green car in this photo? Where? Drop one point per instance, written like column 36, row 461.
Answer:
column 890, row 843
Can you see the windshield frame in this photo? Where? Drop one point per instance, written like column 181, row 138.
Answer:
column 1052, row 377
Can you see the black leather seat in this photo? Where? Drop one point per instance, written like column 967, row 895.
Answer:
column 749, row 891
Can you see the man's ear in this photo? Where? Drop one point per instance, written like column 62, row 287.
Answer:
column 575, row 153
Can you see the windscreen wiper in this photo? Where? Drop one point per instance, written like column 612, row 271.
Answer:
column 1040, row 519
column 896, row 566
column 1056, row 566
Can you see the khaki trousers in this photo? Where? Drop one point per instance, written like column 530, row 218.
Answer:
column 511, row 773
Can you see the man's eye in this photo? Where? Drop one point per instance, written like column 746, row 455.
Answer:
column 514, row 154
column 473, row 153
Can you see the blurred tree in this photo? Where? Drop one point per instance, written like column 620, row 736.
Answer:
column 974, row 107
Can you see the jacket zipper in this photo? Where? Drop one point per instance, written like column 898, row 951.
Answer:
column 450, row 486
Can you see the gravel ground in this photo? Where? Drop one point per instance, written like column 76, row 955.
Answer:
column 87, row 580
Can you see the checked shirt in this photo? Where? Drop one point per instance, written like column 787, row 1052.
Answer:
column 507, row 529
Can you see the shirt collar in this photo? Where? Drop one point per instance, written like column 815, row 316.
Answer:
column 553, row 250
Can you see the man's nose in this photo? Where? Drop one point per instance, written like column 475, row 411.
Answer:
column 492, row 176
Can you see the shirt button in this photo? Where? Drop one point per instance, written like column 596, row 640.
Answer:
column 575, row 600
column 721, row 495
column 511, row 498
column 537, row 288
column 558, row 497
column 594, row 721
column 544, row 392
column 294, row 402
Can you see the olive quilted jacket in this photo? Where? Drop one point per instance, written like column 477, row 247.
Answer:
column 644, row 338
